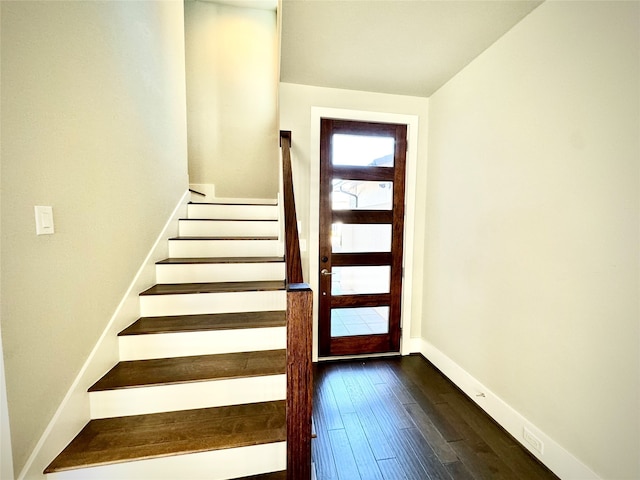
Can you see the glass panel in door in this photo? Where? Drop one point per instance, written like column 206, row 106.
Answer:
column 348, row 322
column 362, row 150
column 360, row 238
column 361, row 195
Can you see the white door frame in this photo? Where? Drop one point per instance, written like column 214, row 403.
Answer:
column 411, row 121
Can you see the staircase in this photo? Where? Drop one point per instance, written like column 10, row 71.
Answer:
column 200, row 389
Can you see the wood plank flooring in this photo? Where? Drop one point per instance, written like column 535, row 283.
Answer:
column 400, row 418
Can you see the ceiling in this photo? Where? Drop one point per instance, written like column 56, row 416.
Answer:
column 390, row 46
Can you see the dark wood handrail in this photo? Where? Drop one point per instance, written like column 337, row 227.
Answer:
column 299, row 333
column 292, row 239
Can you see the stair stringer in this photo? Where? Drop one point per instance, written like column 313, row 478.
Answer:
column 74, row 411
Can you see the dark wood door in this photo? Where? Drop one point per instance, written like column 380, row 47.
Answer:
column 362, row 174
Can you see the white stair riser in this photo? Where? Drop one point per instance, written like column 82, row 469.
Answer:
column 214, row 465
column 196, row 304
column 142, row 347
column 186, row 396
column 224, row 248
column 228, row 228
column 219, row 272
column 233, row 212
column 239, row 200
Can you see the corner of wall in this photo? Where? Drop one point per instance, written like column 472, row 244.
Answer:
column 202, row 192
column 6, row 460
column 553, row 455
column 74, row 411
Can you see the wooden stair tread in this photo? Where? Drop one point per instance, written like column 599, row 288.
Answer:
column 237, row 204
column 238, row 237
column 166, row 371
column 121, row 439
column 218, row 260
column 281, row 475
column 228, row 220
column 216, row 287
column 199, row 323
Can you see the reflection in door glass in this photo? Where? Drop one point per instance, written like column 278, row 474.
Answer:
column 360, row 280
column 359, row 321
column 361, row 195
column 362, row 150
column 361, row 237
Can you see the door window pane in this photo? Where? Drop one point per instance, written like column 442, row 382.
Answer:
column 361, row 195
column 362, row 150
column 361, row 237
column 360, row 280
column 359, row 321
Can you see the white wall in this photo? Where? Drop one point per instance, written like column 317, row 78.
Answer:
column 231, row 57
column 296, row 103
column 531, row 282
column 93, row 123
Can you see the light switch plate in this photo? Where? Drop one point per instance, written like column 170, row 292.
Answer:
column 44, row 220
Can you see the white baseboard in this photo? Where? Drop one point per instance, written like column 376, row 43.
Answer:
column 554, row 456
column 74, row 411
column 415, row 345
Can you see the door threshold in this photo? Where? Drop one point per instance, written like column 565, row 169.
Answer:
column 359, row 357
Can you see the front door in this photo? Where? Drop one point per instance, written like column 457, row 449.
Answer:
column 362, row 174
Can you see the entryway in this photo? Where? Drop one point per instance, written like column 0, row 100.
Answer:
column 361, row 212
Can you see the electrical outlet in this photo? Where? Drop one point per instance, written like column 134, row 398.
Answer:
column 533, row 441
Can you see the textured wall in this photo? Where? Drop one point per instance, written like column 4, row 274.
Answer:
column 231, row 59
column 94, row 124
column 532, row 226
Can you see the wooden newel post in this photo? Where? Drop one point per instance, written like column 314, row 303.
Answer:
column 299, row 381
column 299, row 334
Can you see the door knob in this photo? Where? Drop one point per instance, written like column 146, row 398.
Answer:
column 324, row 271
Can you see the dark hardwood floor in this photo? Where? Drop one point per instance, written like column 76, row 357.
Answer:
column 400, row 418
